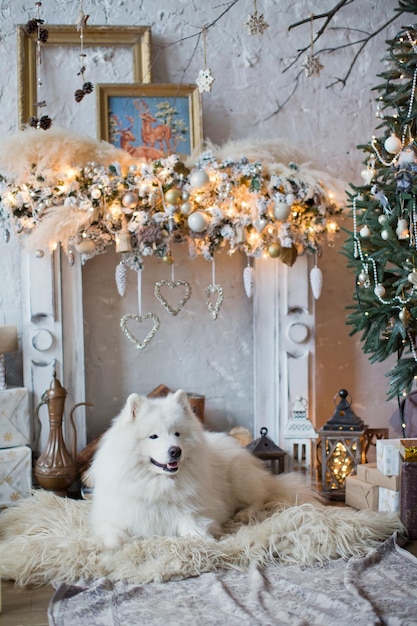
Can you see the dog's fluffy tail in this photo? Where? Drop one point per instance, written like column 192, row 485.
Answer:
column 292, row 489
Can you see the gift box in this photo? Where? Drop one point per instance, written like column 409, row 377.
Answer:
column 361, row 495
column 14, row 418
column 408, row 449
column 408, row 497
column 15, row 475
column 369, row 473
column 388, row 456
column 388, row 500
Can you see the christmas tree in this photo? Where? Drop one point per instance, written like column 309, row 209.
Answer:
column 382, row 246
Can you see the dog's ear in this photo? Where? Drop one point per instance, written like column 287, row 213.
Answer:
column 181, row 398
column 133, row 404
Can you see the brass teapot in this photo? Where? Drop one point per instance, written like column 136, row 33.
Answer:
column 56, row 469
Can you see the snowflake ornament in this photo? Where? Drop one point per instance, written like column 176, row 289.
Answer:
column 204, row 80
column 256, row 24
column 312, row 65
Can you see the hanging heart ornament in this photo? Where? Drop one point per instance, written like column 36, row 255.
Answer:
column 214, row 307
column 173, row 285
column 140, row 318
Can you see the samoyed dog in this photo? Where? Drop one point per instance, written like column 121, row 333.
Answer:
column 158, row 472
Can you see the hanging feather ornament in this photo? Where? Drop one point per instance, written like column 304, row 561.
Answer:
column 249, row 280
column 316, row 281
column 121, row 278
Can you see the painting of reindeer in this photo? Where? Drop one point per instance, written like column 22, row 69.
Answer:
column 151, row 121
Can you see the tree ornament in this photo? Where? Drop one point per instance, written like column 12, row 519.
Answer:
column 173, row 196
column 123, row 240
column 406, row 169
column 382, row 219
column 130, row 200
column 87, row 86
column 120, row 275
column 312, row 66
column 214, row 307
column 402, row 231
column 368, row 173
column 260, row 224
column 140, row 319
column 185, row 208
column 199, row 179
column 385, row 234
column 379, row 290
column 412, row 278
column 316, row 281
column 392, row 144
column 197, row 221
column 365, row 231
column 273, row 250
column 173, row 285
column 204, row 80
column 249, row 280
column 256, row 24
column 282, row 210
column 404, row 316
column 168, row 258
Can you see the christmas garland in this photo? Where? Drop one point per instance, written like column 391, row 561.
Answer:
column 144, row 208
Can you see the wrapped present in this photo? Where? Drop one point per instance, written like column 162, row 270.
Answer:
column 388, row 500
column 14, row 418
column 369, row 473
column 388, row 456
column 408, row 497
column 361, row 495
column 408, row 449
column 15, row 475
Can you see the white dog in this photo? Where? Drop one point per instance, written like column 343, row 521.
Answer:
column 157, row 472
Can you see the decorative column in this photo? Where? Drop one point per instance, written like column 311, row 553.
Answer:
column 284, row 345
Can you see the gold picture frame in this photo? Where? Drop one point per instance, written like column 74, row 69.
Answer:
column 151, row 121
column 138, row 38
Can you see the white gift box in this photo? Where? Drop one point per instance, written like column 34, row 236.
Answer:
column 14, row 418
column 388, row 456
column 15, row 475
column 388, row 500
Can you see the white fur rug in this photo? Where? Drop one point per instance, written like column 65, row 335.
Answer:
column 46, row 539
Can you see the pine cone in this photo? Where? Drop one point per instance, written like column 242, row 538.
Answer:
column 45, row 122
column 79, row 95
column 31, row 27
column 43, row 35
column 33, row 121
column 88, row 87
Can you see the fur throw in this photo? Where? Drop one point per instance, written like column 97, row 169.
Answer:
column 46, row 538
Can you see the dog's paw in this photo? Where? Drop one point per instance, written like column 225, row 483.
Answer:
column 112, row 538
column 246, row 515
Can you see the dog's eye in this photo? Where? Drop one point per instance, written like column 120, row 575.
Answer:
column 177, row 434
column 153, row 436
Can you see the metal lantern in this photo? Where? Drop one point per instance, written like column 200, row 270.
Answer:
column 343, row 448
column 298, row 435
column 266, row 450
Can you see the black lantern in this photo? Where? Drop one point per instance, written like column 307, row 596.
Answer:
column 343, row 448
column 266, row 450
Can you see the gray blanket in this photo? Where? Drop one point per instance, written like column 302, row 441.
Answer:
column 380, row 588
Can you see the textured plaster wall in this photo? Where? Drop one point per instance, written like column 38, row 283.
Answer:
column 326, row 122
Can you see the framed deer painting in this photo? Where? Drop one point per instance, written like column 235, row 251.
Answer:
column 151, row 121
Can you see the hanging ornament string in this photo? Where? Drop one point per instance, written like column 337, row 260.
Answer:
column 214, row 289
column 312, row 65
column 87, row 86
column 205, row 78
column 36, row 26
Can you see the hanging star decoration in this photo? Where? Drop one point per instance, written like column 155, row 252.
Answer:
column 256, row 24
column 312, row 65
column 205, row 80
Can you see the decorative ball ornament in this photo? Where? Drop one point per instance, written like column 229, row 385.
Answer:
column 412, row 278
column 173, row 196
column 95, row 193
column 273, row 250
column 392, row 144
column 39, row 254
column 185, row 208
column 199, row 179
column 197, row 221
column 130, row 200
column 168, row 258
column 362, row 276
column 404, row 316
column 281, row 211
column 382, row 219
column 379, row 290
column 385, row 235
column 365, row 231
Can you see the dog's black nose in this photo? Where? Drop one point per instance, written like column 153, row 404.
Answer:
column 174, row 452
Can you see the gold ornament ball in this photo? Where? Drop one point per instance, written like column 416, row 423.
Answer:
column 168, row 258
column 173, row 196
column 274, row 250
column 404, row 316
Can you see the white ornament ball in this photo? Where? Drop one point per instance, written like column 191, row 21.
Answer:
column 384, row 235
column 379, row 290
column 197, row 221
column 130, row 200
column 185, row 208
column 412, row 278
column 382, row 219
column 281, row 211
column 95, row 193
column 199, row 179
column 392, row 144
column 364, row 231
